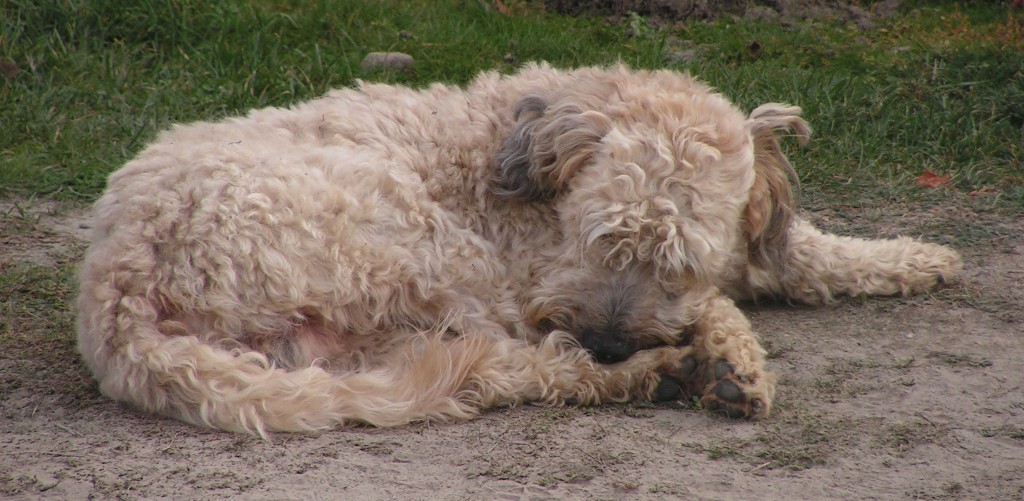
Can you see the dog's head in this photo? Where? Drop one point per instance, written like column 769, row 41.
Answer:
column 654, row 199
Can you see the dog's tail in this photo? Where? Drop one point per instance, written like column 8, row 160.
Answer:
column 163, row 368
column 772, row 200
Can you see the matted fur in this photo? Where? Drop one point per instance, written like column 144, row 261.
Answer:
column 383, row 255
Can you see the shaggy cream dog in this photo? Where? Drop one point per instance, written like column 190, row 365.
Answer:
column 384, row 255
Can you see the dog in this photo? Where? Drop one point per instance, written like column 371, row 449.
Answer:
column 384, row 255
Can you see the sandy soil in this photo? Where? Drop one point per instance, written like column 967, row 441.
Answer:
column 880, row 398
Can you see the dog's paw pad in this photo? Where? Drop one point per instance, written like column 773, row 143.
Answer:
column 728, row 391
column 721, row 387
column 727, row 398
column 667, row 390
column 687, row 366
column 735, row 394
column 687, row 375
column 727, row 411
column 742, row 407
column 679, row 379
column 721, row 369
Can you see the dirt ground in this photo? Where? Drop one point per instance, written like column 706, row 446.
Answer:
column 880, row 398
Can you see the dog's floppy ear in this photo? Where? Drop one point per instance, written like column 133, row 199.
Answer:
column 769, row 211
column 548, row 146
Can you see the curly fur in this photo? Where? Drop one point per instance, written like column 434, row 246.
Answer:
column 383, row 255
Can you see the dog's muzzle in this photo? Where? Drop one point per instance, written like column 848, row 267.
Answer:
column 608, row 345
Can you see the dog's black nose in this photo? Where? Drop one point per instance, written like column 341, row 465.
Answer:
column 608, row 345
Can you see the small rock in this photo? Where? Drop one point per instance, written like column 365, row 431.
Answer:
column 405, row 34
column 510, row 59
column 387, row 61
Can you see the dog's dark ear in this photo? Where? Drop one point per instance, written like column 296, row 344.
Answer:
column 770, row 208
column 548, row 146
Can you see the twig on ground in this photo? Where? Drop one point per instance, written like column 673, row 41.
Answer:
column 69, row 430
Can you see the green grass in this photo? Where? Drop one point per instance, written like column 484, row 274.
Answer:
column 100, row 77
column 941, row 89
column 938, row 88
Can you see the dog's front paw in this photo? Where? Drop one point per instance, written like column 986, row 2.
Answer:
column 737, row 394
column 722, row 390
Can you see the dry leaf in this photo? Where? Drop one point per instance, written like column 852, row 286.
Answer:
column 932, row 180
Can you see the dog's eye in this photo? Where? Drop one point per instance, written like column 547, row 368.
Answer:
column 546, row 325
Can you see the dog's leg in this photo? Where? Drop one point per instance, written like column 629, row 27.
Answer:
column 816, row 266
column 726, row 367
column 557, row 372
